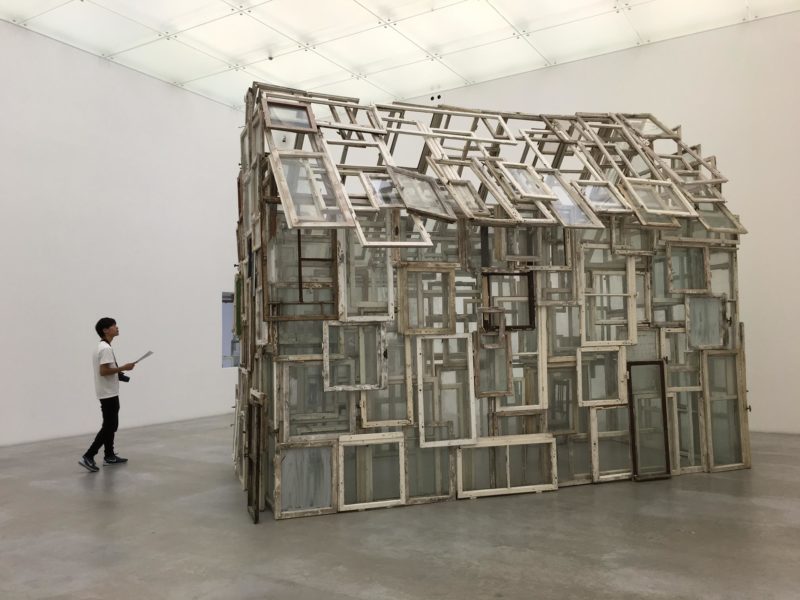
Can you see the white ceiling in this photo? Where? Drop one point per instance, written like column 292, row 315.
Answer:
column 376, row 50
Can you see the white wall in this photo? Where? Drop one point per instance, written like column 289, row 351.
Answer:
column 737, row 92
column 118, row 199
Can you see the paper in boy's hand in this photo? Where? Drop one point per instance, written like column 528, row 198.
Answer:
column 143, row 356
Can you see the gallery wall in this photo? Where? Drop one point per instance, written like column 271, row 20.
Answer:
column 117, row 194
column 737, row 92
column 118, row 199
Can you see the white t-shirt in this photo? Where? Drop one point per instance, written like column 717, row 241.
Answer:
column 106, row 386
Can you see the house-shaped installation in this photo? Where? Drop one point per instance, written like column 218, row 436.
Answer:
column 438, row 303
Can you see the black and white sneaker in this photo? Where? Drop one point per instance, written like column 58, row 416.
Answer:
column 88, row 464
column 114, row 460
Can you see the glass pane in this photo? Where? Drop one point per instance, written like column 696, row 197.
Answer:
column 526, row 181
column 367, row 278
column 384, row 191
column 683, row 368
column 529, row 464
column 600, row 375
column 354, row 359
column 389, row 403
column 726, row 432
column 688, row 268
column 513, row 293
column 689, row 428
column 311, row 190
column 493, row 365
column 428, row 468
column 305, row 478
column 649, row 424
column 600, row 197
column 658, row 197
column 428, row 300
column 705, row 321
column 569, row 211
column 614, row 440
column 563, row 330
column 420, row 193
column 483, row 468
column 371, row 473
column 287, row 115
column 446, row 390
column 311, row 409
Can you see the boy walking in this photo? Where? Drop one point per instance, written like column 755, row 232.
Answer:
column 107, row 376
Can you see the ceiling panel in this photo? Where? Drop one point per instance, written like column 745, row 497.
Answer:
column 532, row 15
column 767, row 8
column 357, row 88
column 663, row 19
column 456, row 27
column 18, row 11
column 373, row 50
column 228, row 87
column 322, row 21
column 495, row 60
column 416, row 79
column 301, row 69
column 587, row 37
column 91, row 28
column 169, row 16
column 396, row 10
column 238, row 38
column 170, row 60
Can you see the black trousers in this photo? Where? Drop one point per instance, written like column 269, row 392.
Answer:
column 105, row 437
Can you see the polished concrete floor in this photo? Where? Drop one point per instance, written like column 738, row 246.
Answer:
column 172, row 524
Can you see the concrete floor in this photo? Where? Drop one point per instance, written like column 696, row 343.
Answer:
column 172, row 524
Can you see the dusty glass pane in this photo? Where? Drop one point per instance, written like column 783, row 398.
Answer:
column 483, row 468
column 287, row 115
column 354, row 359
column 563, row 330
column 371, row 473
column 721, row 262
column 384, row 191
column 311, row 410
column 447, row 390
column 311, row 190
column 646, row 346
column 428, row 300
column 527, row 183
column 529, row 464
column 493, row 365
column 683, row 368
column 419, row 193
column 512, row 292
column 659, row 197
column 688, row 268
column 726, row 432
column 390, row 402
column 568, row 210
column 704, row 322
column 724, row 395
column 428, row 468
column 305, row 478
column 649, row 425
column 688, row 404
column 601, row 198
column 614, row 440
column 600, row 376
column 367, row 278
column 558, row 286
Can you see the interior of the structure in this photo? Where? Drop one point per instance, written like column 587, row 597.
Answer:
column 439, row 302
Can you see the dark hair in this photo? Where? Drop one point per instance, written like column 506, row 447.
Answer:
column 102, row 324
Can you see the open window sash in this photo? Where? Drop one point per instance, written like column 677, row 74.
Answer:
column 310, row 189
